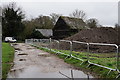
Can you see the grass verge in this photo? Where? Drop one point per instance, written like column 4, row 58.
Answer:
column 98, row 72
column 7, row 58
column 106, row 59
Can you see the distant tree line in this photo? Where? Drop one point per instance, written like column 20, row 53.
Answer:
column 15, row 25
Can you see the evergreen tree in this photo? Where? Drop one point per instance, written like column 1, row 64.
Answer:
column 12, row 20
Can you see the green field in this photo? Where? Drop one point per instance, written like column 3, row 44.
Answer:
column 7, row 58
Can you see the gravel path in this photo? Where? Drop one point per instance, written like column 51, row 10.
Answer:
column 30, row 62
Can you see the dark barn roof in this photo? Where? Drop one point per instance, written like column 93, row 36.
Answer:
column 67, row 26
column 73, row 23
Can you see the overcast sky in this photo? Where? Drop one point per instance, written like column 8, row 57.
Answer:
column 106, row 11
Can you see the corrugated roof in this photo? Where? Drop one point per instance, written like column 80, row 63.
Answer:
column 46, row 32
column 74, row 23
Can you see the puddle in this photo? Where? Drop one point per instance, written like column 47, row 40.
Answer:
column 18, row 49
column 36, row 72
column 31, row 48
column 22, row 59
column 14, row 44
column 23, row 45
column 44, row 54
column 22, row 54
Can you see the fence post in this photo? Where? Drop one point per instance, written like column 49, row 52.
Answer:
column 70, row 48
column 88, row 50
column 58, row 45
column 32, row 41
column 26, row 41
column 117, row 60
column 50, row 44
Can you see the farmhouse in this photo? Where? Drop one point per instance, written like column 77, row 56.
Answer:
column 46, row 32
column 67, row 26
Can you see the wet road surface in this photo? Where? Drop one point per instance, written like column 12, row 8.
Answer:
column 30, row 62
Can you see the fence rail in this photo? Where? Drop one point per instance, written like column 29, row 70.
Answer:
column 88, row 55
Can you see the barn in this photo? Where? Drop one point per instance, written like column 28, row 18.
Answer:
column 67, row 26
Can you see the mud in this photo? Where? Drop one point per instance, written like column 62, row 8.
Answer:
column 40, row 64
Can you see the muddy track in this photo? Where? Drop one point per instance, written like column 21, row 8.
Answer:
column 30, row 62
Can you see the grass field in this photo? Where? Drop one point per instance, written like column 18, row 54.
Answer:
column 7, row 58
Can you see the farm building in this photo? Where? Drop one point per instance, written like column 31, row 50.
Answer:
column 67, row 26
column 46, row 32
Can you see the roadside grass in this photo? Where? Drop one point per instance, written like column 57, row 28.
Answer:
column 106, row 59
column 7, row 58
column 98, row 72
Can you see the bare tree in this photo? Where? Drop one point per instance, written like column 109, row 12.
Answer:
column 78, row 14
column 55, row 17
column 92, row 23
